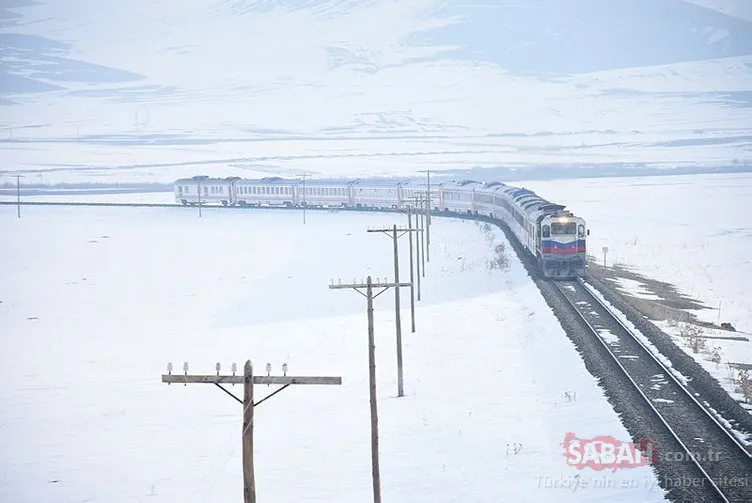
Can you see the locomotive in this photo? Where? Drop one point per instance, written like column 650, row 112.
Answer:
column 553, row 236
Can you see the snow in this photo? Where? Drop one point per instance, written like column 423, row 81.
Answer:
column 351, row 92
column 737, row 8
column 635, row 289
column 639, row 336
column 687, row 230
column 732, row 349
column 666, row 362
column 97, row 301
column 105, row 197
column 607, row 336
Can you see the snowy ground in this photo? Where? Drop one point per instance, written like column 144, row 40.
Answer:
column 96, row 301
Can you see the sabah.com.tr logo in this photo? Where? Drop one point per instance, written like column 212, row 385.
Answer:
column 606, row 453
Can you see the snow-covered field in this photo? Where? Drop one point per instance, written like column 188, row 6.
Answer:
column 96, row 301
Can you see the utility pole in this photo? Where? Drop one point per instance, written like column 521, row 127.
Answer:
column 369, row 295
column 428, row 215
column 417, row 250
column 18, row 194
column 412, row 278
column 198, row 179
column 247, row 380
column 303, row 201
column 397, row 316
column 422, row 250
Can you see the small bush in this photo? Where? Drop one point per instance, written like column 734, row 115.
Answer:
column 694, row 336
column 745, row 384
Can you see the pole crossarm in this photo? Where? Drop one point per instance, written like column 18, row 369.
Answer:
column 364, row 285
column 248, row 380
column 391, row 231
column 238, row 379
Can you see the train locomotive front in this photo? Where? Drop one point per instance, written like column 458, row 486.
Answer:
column 562, row 249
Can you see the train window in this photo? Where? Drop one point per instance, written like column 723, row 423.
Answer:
column 546, row 231
column 581, row 231
column 206, row 191
column 563, row 228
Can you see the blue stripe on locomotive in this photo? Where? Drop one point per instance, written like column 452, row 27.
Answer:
column 550, row 243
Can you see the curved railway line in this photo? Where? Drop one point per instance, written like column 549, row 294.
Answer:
column 709, row 445
column 709, row 450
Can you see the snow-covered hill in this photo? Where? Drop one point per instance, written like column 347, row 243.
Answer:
column 565, row 73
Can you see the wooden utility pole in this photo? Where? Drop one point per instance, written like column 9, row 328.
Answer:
column 422, row 251
column 247, row 380
column 397, row 315
column 303, row 202
column 410, row 231
column 249, row 474
column 18, row 194
column 198, row 179
column 369, row 295
column 428, row 215
column 420, row 244
column 417, row 251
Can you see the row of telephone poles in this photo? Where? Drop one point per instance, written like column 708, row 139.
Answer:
column 369, row 286
column 370, row 290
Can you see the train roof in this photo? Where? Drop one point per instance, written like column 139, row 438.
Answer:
column 205, row 178
column 268, row 180
column 460, row 184
column 325, row 181
column 530, row 202
column 383, row 182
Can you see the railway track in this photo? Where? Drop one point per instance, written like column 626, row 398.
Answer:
column 195, row 208
column 724, row 462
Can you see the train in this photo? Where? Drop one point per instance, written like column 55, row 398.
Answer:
column 555, row 237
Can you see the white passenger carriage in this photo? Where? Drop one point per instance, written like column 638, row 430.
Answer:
column 324, row 193
column 271, row 191
column 459, row 196
column 204, row 189
column 376, row 194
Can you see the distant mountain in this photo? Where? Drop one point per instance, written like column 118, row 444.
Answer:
column 577, row 36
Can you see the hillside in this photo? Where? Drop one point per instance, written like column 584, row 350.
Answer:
column 457, row 84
